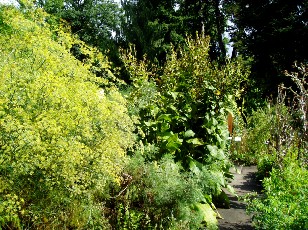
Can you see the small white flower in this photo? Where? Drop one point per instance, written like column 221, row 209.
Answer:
column 101, row 93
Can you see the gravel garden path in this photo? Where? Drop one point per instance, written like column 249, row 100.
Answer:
column 235, row 217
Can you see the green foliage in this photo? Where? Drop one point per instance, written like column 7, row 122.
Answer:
column 273, row 33
column 196, row 94
column 152, row 26
column 284, row 161
column 268, row 135
column 271, row 131
column 265, row 165
column 299, row 108
column 187, row 114
column 61, row 140
column 92, row 21
column 182, row 111
column 284, row 203
column 208, row 17
column 159, row 195
column 255, row 137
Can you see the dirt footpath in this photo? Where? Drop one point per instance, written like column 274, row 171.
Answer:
column 244, row 182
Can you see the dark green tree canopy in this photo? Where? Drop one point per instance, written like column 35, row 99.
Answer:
column 152, row 26
column 273, row 32
column 206, row 17
column 94, row 21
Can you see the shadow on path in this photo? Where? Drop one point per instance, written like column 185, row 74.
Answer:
column 235, row 217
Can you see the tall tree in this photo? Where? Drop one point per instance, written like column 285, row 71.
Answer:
column 95, row 21
column 273, row 32
column 152, row 25
column 206, row 17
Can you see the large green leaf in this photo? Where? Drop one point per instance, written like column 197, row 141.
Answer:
column 195, row 141
column 208, row 214
column 189, row 133
column 165, row 117
column 174, row 95
column 174, row 142
column 216, row 152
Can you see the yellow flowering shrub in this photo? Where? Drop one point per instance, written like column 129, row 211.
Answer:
column 61, row 140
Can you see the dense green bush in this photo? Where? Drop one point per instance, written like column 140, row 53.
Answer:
column 256, row 135
column 272, row 130
column 183, row 106
column 284, row 202
column 62, row 141
column 268, row 134
column 281, row 124
column 160, row 195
